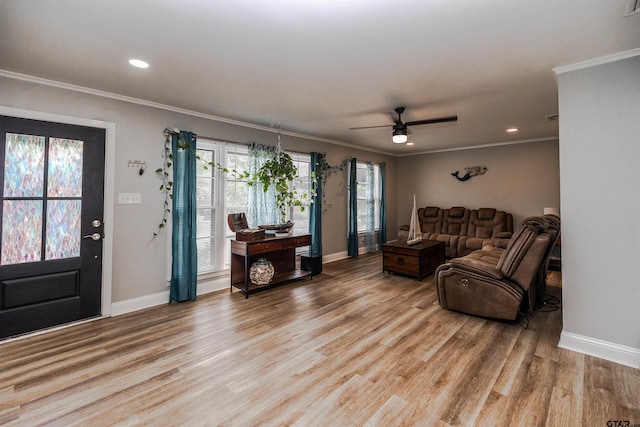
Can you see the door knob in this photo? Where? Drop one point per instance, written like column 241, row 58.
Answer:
column 94, row 236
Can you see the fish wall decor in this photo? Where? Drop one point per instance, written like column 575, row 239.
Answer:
column 471, row 172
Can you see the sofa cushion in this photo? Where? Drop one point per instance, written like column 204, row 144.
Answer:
column 516, row 250
column 430, row 219
column 483, row 232
column 486, row 213
column 486, row 223
column 456, row 221
column 457, row 212
column 432, row 211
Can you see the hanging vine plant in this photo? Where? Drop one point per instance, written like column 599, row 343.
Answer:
column 279, row 171
column 322, row 172
column 163, row 172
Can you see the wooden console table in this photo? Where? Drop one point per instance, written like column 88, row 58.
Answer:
column 281, row 251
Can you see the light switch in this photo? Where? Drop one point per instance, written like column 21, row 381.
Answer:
column 129, row 198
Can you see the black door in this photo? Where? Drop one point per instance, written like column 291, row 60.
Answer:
column 51, row 214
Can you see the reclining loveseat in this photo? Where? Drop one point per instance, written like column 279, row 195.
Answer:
column 500, row 283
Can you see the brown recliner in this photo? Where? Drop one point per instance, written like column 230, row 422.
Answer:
column 454, row 225
column 498, row 283
column 486, row 227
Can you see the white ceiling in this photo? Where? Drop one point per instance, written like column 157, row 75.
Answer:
column 319, row 67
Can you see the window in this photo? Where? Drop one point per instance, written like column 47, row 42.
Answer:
column 301, row 218
column 368, row 196
column 208, row 221
column 219, row 195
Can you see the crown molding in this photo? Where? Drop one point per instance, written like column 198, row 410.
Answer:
column 597, row 61
column 473, row 147
column 146, row 103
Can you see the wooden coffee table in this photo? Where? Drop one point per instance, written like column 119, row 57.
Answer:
column 417, row 260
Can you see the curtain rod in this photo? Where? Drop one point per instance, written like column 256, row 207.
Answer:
column 221, row 140
column 236, row 142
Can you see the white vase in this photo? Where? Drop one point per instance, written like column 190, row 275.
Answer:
column 261, row 272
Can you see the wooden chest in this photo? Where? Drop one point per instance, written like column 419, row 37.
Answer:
column 417, row 260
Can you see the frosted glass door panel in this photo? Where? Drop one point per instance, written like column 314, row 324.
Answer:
column 63, row 229
column 65, row 168
column 24, row 165
column 21, row 231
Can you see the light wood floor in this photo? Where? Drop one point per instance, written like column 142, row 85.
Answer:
column 352, row 347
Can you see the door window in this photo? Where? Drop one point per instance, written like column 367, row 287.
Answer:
column 29, row 216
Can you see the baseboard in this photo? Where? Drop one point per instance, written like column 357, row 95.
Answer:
column 342, row 255
column 334, row 257
column 153, row 300
column 617, row 353
column 160, row 298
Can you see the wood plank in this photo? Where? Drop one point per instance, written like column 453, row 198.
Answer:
column 9, row 407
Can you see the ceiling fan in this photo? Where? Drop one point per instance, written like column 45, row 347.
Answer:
column 400, row 130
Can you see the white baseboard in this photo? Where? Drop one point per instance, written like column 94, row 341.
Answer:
column 617, row 353
column 342, row 255
column 153, row 300
column 334, row 257
column 160, row 298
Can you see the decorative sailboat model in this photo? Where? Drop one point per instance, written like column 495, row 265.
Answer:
column 415, row 234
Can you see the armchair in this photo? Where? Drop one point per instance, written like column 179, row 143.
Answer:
column 498, row 283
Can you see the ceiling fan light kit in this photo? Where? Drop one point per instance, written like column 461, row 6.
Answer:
column 400, row 131
column 399, row 136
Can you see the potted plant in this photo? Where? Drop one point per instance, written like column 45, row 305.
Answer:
column 281, row 173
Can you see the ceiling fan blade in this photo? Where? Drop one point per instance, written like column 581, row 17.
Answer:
column 431, row 121
column 370, row 127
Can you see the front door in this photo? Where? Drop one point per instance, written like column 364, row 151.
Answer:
column 51, row 214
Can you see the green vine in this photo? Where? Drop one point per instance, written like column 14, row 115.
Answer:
column 279, row 171
column 167, row 184
column 323, row 171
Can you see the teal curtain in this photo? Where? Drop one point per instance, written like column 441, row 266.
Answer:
column 261, row 209
column 184, row 266
column 382, row 226
column 370, row 220
column 315, row 214
column 352, row 207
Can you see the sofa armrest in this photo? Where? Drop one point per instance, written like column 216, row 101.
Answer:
column 477, row 266
column 503, row 235
column 501, row 243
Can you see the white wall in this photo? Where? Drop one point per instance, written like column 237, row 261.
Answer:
column 521, row 179
column 599, row 154
column 139, row 265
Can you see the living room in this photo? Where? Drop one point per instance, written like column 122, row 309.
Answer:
column 587, row 167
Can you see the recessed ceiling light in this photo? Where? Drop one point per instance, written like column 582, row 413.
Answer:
column 139, row 63
column 512, row 130
column 409, row 143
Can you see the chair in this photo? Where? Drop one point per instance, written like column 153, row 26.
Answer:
column 498, row 283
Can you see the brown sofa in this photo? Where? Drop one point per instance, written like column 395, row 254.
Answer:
column 463, row 230
column 500, row 283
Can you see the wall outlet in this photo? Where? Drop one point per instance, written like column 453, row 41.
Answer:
column 129, row 198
